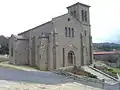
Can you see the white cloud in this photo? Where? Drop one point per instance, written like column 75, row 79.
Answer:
column 20, row 15
column 105, row 19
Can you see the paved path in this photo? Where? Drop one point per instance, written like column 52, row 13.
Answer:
column 12, row 79
column 99, row 75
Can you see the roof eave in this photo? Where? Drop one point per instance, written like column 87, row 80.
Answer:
column 79, row 4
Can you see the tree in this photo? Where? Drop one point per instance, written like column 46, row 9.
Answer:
column 4, row 49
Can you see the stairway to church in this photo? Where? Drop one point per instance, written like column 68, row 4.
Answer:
column 108, row 79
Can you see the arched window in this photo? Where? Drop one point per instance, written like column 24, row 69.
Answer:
column 74, row 13
column 69, row 32
column 66, row 32
column 73, row 32
column 85, row 16
column 82, row 12
column 11, row 51
column 85, row 33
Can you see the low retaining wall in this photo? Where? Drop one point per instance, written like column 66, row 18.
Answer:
column 86, row 80
column 103, row 73
column 82, row 79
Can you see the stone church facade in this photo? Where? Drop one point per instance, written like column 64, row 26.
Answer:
column 64, row 41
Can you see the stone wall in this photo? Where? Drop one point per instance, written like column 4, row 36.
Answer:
column 86, row 80
column 82, row 79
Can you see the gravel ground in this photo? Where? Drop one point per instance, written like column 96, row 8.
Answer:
column 28, row 86
column 12, row 79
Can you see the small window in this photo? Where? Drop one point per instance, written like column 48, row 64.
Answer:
column 82, row 12
column 85, row 33
column 71, row 13
column 73, row 32
column 74, row 13
column 11, row 51
column 69, row 32
column 66, row 31
column 85, row 16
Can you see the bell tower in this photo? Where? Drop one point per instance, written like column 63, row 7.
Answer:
column 80, row 12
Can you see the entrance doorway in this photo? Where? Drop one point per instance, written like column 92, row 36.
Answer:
column 71, row 58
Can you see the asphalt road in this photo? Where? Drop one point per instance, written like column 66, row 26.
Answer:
column 13, row 79
column 42, row 77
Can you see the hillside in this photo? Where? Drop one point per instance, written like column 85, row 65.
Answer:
column 106, row 46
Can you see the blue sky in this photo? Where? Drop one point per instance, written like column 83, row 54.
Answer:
column 20, row 15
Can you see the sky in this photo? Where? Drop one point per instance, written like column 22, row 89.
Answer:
column 20, row 15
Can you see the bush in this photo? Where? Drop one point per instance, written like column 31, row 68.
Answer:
column 114, row 72
column 110, row 70
column 91, row 75
column 4, row 49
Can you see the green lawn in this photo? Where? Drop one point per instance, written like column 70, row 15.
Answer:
column 2, row 59
column 117, row 70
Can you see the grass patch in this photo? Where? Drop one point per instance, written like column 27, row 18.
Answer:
column 4, row 62
column 117, row 70
column 108, row 70
column 81, row 72
column 19, row 67
column 3, row 59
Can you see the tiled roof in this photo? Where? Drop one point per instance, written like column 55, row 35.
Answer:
column 33, row 28
column 106, row 52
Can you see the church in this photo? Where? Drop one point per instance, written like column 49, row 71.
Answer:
column 64, row 41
